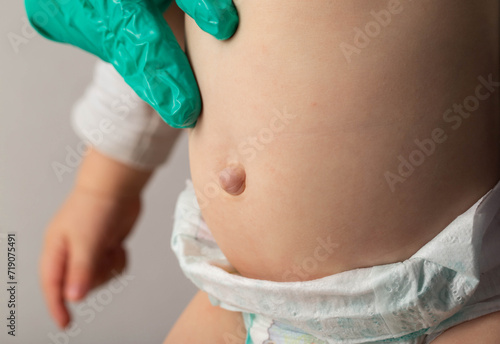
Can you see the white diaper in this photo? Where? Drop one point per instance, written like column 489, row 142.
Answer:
column 453, row 278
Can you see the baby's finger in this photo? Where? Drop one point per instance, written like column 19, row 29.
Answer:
column 81, row 271
column 112, row 264
column 119, row 261
column 52, row 269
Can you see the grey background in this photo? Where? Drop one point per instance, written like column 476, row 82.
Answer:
column 39, row 82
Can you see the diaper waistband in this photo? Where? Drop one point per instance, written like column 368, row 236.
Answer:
column 356, row 306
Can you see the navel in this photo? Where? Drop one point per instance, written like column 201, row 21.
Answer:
column 232, row 179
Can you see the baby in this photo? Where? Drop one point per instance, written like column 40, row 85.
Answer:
column 343, row 159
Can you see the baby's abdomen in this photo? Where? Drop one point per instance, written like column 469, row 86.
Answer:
column 363, row 130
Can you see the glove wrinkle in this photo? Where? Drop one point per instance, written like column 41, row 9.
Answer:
column 133, row 36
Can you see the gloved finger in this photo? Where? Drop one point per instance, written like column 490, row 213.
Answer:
column 52, row 270
column 162, row 5
column 216, row 17
column 134, row 37
column 146, row 53
column 88, row 21
column 50, row 18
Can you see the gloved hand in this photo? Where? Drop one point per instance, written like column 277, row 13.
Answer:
column 133, row 36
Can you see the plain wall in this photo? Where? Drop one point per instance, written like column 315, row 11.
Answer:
column 39, row 83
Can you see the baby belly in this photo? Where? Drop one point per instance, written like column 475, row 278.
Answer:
column 342, row 134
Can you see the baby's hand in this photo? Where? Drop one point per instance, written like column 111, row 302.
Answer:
column 84, row 246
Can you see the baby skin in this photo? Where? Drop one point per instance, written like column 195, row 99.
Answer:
column 316, row 125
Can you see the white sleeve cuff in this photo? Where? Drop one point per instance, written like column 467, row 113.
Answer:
column 112, row 119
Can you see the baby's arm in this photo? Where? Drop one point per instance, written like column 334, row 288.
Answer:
column 84, row 241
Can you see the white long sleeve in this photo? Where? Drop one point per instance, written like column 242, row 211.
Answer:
column 115, row 121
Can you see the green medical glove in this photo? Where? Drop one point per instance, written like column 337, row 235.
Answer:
column 216, row 17
column 133, row 36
